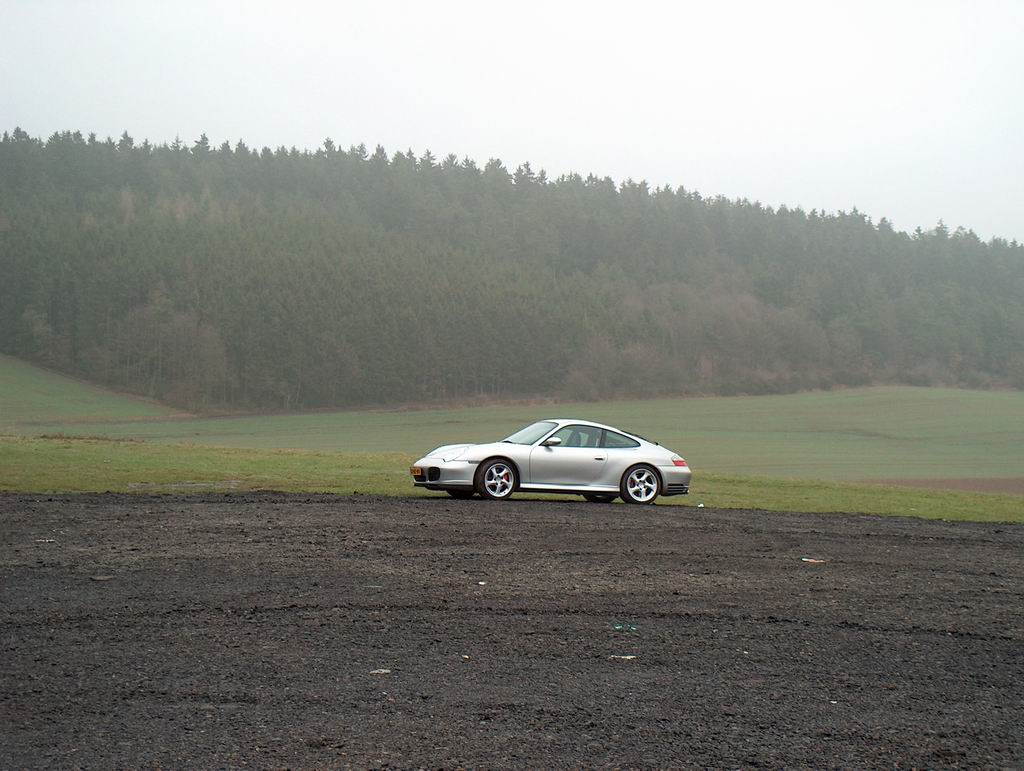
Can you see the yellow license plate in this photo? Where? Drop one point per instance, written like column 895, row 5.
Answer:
column 416, row 471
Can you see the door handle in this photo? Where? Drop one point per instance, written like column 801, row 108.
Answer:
column 599, row 457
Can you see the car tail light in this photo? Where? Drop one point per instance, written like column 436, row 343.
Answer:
column 677, row 461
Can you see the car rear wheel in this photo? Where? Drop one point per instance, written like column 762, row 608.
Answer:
column 595, row 498
column 496, row 479
column 461, row 494
column 640, row 484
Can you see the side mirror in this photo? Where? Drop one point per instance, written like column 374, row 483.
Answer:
column 552, row 442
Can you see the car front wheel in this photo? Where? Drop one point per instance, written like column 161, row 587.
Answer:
column 640, row 484
column 496, row 479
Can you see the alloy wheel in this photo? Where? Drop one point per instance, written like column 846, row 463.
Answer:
column 642, row 485
column 498, row 480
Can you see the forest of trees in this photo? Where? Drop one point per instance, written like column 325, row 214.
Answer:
column 230, row 277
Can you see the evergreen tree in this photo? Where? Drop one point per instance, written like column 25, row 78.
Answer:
column 292, row 279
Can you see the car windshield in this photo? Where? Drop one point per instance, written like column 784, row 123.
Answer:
column 530, row 434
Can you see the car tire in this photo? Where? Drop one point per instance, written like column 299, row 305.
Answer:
column 461, row 494
column 599, row 498
column 640, row 484
column 496, row 479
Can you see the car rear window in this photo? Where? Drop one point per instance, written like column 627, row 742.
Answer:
column 617, row 441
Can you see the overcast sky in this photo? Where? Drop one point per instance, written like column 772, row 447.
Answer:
column 911, row 110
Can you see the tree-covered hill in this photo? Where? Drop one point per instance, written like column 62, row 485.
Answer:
column 284, row 279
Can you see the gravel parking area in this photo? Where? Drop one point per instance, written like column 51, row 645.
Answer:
column 322, row 631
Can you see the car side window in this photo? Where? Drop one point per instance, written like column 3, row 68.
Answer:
column 615, row 441
column 579, row 436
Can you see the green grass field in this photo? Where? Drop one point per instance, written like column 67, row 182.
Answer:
column 97, row 465
column 792, row 451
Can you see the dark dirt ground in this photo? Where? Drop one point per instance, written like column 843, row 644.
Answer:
column 229, row 630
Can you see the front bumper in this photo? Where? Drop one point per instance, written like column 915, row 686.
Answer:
column 675, row 479
column 440, row 474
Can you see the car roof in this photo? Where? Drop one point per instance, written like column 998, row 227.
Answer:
column 577, row 421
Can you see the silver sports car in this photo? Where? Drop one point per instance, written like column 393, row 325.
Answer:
column 558, row 455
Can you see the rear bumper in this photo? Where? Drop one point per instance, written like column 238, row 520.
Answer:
column 675, row 480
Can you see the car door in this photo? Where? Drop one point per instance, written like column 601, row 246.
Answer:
column 577, row 462
column 622, row 452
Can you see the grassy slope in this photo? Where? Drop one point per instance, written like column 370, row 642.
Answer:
column 99, row 465
column 30, row 395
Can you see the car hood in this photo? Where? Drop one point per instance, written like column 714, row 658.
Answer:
column 449, row 451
